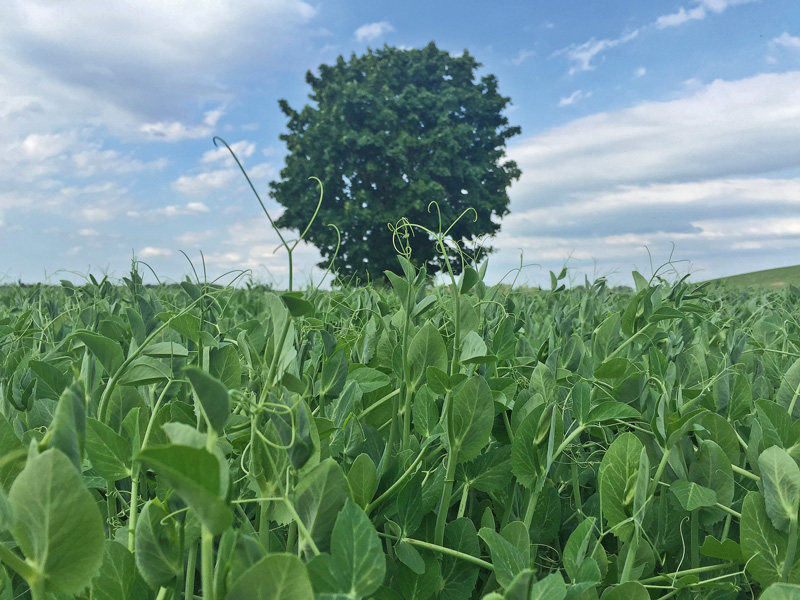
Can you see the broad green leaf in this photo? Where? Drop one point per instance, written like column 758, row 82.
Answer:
column 469, row 277
column 358, row 561
column 368, row 379
column 224, row 364
column 297, row 305
column 186, row 324
column 780, row 479
column 363, row 479
column 788, row 394
column 334, row 375
column 420, row 587
column 473, row 350
column 577, row 547
column 109, row 452
column 107, row 351
column 581, row 401
column 144, row 371
column 409, row 505
column 712, row 469
column 409, row 556
column 426, row 350
column 617, row 477
column 693, row 496
column 610, row 411
column 490, row 471
column 68, row 429
column 52, row 509
column 781, row 591
column 13, row 454
column 194, row 474
column 470, row 418
column 166, row 350
column 459, row 576
column 274, row 577
column 727, row 549
column 630, row 590
column 551, row 587
column 118, row 578
column 319, row 496
column 506, row 558
column 157, row 545
column 528, row 455
column 763, row 546
column 213, row 396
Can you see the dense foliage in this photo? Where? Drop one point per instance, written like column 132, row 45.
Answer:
column 388, row 133
column 450, row 443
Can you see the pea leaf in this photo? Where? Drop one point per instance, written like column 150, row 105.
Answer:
column 470, row 418
column 319, row 496
column 157, row 545
column 780, row 478
column 618, row 475
column 213, row 397
column 51, row 510
column 693, row 496
column 109, row 452
column 194, row 473
column 274, row 577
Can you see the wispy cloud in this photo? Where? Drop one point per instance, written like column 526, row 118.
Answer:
column 582, row 55
column 574, row 97
column 171, row 210
column 787, row 41
column 696, row 13
column 372, row 31
column 640, row 72
column 177, row 131
column 521, row 57
column 150, row 252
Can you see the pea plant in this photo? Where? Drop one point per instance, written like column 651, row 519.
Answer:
column 408, row 442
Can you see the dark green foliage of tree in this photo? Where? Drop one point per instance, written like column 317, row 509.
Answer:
column 390, row 132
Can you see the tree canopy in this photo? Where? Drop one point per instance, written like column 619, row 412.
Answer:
column 390, row 132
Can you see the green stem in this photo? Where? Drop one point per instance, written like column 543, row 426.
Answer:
column 134, row 514
column 444, row 504
column 745, row 473
column 191, row 563
column 26, row 571
column 397, row 484
column 207, row 563
column 443, row 550
column 37, row 589
column 695, row 537
column 533, row 499
column 462, row 507
column 631, row 557
column 659, row 471
column 791, row 548
column 679, row 574
column 301, row 527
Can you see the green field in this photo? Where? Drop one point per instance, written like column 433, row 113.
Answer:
column 767, row 278
column 463, row 442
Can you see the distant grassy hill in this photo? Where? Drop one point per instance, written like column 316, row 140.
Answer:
column 768, row 278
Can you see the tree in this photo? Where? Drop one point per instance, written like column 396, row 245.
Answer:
column 392, row 131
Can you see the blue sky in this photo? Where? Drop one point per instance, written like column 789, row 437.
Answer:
column 650, row 130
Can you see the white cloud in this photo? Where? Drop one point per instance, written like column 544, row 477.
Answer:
column 203, row 183
column 787, row 41
column 680, row 17
column 521, row 57
column 697, row 13
column 150, row 252
column 574, row 97
column 242, row 149
column 640, row 72
column 195, row 238
column 372, row 31
column 176, row 131
column 171, row 210
column 582, row 55
column 744, row 127
column 92, row 162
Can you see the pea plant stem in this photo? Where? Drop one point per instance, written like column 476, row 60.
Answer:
column 207, row 563
column 444, row 504
column 442, row 550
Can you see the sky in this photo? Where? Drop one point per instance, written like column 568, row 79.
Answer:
column 651, row 131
